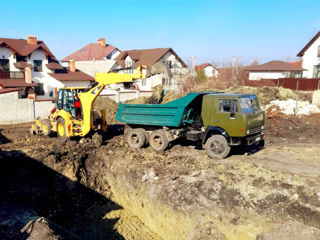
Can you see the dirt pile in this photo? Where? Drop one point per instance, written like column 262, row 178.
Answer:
column 265, row 94
column 109, row 105
column 158, row 97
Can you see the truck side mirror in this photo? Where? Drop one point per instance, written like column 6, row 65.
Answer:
column 232, row 114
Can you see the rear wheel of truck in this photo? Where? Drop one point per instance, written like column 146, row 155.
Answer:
column 136, row 138
column 158, row 141
column 217, row 147
column 46, row 127
column 61, row 130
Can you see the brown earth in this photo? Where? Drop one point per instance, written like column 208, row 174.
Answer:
column 99, row 188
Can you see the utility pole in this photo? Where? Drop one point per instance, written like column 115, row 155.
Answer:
column 193, row 66
column 234, row 70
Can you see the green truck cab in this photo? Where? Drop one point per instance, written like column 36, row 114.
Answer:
column 219, row 120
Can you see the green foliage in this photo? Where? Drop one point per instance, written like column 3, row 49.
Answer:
column 200, row 77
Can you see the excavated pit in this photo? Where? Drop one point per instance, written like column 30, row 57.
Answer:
column 99, row 188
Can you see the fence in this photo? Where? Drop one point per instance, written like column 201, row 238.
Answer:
column 14, row 110
column 301, row 84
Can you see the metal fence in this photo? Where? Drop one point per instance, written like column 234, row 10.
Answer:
column 300, row 84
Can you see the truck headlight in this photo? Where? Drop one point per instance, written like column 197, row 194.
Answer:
column 262, row 127
column 248, row 132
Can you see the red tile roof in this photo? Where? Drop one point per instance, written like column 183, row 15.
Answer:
column 202, row 66
column 92, row 51
column 54, row 66
column 22, row 48
column 71, row 76
column 146, row 57
column 301, row 53
column 22, row 65
column 15, row 82
column 274, row 66
column 8, row 90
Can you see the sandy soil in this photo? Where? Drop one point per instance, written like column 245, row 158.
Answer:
column 97, row 188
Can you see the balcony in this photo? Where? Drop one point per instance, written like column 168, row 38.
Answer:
column 14, row 75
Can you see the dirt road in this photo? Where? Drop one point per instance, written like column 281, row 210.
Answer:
column 89, row 191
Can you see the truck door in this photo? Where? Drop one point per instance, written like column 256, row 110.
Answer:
column 229, row 117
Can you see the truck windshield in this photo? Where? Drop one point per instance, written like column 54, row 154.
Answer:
column 249, row 104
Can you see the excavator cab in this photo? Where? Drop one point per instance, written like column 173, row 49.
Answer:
column 66, row 99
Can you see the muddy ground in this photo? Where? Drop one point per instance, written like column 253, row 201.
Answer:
column 99, row 188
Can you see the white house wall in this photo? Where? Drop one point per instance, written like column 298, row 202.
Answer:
column 6, row 53
column 92, row 67
column 75, row 83
column 266, row 75
column 310, row 59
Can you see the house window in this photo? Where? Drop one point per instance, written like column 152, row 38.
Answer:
column 318, row 54
column 37, row 65
column 169, row 64
column 316, row 71
column 144, row 82
column 4, row 65
column 39, row 90
column 228, row 106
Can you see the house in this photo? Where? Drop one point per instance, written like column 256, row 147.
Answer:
column 310, row 55
column 209, row 70
column 274, row 70
column 164, row 67
column 94, row 57
column 29, row 65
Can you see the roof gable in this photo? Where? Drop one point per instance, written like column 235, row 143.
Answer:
column 301, row 53
column 22, row 48
column 274, row 66
column 146, row 57
column 92, row 51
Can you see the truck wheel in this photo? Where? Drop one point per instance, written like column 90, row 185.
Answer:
column 158, row 141
column 136, row 138
column 46, row 127
column 217, row 147
column 146, row 134
column 61, row 129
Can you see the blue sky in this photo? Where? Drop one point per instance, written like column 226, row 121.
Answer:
column 210, row 30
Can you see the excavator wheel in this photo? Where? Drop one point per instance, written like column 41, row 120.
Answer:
column 61, row 129
column 34, row 130
column 46, row 127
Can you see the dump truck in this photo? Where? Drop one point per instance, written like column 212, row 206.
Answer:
column 219, row 120
column 63, row 119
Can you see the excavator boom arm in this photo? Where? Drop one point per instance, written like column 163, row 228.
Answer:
column 87, row 98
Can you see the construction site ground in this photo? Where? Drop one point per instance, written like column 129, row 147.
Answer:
column 99, row 188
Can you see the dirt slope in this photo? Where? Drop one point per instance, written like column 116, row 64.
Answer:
column 115, row 192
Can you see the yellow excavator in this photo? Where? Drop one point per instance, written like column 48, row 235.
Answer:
column 64, row 120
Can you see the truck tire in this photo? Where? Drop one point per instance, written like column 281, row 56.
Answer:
column 217, row 147
column 136, row 138
column 61, row 130
column 46, row 127
column 158, row 141
column 146, row 134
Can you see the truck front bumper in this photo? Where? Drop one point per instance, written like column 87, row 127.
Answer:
column 254, row 139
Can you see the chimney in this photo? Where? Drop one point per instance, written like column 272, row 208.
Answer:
column 102, row 42
column 32, row 40
column 72, row 66
column 27, row 74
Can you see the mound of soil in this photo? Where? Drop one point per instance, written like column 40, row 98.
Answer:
column 109, row 105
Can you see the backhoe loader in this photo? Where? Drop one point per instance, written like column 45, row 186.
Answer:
column 63, row 119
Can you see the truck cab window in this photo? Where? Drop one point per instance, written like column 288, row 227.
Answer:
column 227, row 105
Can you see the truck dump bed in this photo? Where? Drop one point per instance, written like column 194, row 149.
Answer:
column 178, row 113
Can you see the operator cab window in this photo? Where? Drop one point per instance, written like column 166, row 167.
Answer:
column 228, row 106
